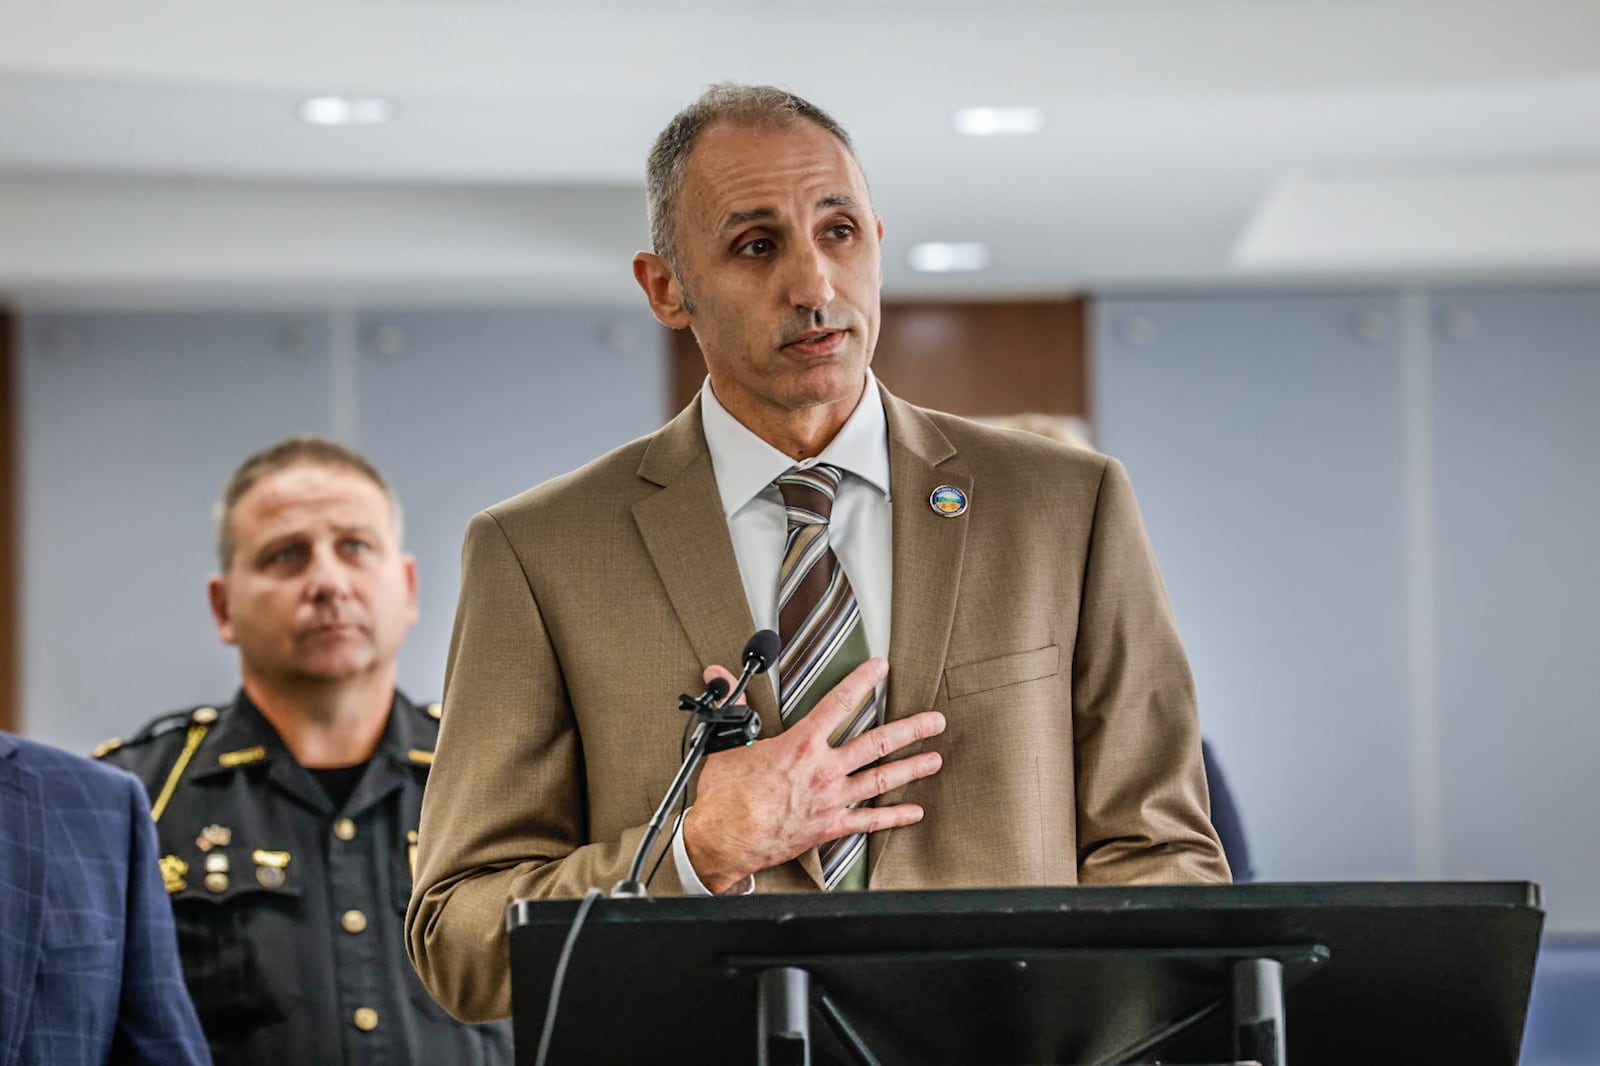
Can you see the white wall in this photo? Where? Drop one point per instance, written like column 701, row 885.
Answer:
column 1376, row 515
column 131, row 423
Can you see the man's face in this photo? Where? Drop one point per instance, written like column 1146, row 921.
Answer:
column 317, row 589
column 778, row 269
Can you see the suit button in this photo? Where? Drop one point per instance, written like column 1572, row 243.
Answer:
column 353, row 921
column 366, row 1019
column 345, row 829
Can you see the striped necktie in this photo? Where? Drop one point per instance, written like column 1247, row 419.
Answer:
column 819, row 622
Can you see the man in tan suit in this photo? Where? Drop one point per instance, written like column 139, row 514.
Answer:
column 1037, row 722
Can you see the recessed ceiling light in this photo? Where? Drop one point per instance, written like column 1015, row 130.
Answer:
column 345, row 110
column 945, row 257
column 998, row 121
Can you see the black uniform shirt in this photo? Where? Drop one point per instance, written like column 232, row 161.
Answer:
column 290, row 913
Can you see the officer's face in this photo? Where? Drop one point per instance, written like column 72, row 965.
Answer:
column 778, row 272
column 318, row 588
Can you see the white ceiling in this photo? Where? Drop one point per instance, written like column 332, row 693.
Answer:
column 148, row 151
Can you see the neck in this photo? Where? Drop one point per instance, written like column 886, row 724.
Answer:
column 327, row 723
column 800, row 433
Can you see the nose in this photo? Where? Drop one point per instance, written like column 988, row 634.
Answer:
column 810, row 283
column 327, row 578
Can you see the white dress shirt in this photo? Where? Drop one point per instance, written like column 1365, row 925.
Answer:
column 861, row 530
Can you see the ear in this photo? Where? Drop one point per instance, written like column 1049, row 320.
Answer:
column 217, row 592
column 880, row 252
column 409, row 562
column 660, row 284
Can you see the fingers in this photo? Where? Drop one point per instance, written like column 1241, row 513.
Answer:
column 886, row 777
column 884, row 740
column 840, row 703
column 877, row 819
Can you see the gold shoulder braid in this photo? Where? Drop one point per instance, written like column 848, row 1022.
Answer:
column 201, row 725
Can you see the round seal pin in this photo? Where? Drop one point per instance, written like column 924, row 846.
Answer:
column 948, row 501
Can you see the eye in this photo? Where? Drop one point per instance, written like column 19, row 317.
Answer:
column 842, row 231
column 289, row 553
column 755, row 249
column 357, row 546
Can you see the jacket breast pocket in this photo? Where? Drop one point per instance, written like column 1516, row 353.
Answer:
column 237, row 936
column 971, row 678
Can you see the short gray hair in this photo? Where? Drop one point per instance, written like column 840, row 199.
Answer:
column 291, row 451
column 751, row 105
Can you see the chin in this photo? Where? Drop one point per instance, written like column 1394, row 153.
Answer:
column 342, row 668
column 829, row 385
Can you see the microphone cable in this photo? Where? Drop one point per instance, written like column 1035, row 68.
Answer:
column 560, row 978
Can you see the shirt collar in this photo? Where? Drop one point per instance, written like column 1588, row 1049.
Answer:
column 745, row 465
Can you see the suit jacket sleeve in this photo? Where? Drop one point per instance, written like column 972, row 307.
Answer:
column 1142, row 807
column 503, row 817
column 156, row 1021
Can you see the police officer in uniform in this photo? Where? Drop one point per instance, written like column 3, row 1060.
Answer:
column 288, row 818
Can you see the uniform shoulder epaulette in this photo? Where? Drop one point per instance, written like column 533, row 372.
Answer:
column 199, row 722
column 158, row 727
column 430, row 713
column 173, row 725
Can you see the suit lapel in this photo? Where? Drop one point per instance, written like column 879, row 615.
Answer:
column 22, row 851
column 686, row 534
column 928, row 553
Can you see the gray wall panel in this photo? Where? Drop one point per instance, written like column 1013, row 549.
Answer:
column 466, row 408
column 1517, row 416
column 131, row 422
column 1263, row 437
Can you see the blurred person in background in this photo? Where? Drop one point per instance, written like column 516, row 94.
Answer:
column 89, row 971
column 288, row 817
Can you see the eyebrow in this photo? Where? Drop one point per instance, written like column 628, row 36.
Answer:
column 766, row 214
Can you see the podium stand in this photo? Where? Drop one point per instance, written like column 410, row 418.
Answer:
column 1391, row 972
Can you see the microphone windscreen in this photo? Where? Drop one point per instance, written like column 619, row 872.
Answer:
column 762, row 650
column 717, row 689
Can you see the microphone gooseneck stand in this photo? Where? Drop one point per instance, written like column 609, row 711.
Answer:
column 722, row 725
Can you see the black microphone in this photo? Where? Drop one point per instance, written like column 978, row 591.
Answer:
column 760, row 652
column 722, row 725
column 732, row 725
column 763, row 649
column 716, row 691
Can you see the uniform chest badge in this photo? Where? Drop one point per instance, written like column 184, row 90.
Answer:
column 270, row 867
column 173, row 872
column 214, row 836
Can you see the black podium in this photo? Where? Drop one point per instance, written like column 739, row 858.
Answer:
column 1391, row 972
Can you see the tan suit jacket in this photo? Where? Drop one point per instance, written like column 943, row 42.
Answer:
column 1036, row 622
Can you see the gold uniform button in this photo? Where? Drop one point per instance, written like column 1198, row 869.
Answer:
column 203, row 715
column 366, row 1019
column 353, row 921
column 345, row 829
